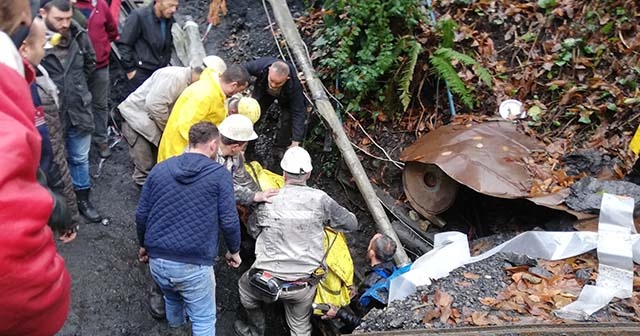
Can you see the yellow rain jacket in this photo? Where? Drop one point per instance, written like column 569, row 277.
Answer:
column 200, row 101
column 334, row 288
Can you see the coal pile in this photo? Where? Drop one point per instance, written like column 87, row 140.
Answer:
column 501, row 290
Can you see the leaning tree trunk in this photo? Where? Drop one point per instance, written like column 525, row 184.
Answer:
column 290, row 31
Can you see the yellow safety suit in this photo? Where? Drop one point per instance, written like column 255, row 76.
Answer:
column 200, row 101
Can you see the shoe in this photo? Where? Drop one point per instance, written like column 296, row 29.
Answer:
column 104, row 150
column 254, row 327
column 156, row 303
column 87, row 210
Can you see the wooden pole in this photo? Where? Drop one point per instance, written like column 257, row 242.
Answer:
column 290, row 31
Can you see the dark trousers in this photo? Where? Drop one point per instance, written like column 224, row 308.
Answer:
column 137, row 80
column 99, row 87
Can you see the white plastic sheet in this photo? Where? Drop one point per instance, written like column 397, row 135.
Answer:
column 618, row 246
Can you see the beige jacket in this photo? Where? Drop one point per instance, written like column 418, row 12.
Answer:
column 147, row 109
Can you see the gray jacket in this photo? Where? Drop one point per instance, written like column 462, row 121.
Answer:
column 70, row 75
column 244, row 187
column 147, row 109
column 290, row 243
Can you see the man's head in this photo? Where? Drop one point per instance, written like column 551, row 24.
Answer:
column 164, row 9
column 296, row 165
column 278, row 75
column 234, row 80
column 32, row 48
column 195, row 73
column 235, row 131
column 203, row 138
column 381, row 249
column 13, row 14
column 57, row 15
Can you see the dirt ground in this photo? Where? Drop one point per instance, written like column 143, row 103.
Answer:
column 109, row 285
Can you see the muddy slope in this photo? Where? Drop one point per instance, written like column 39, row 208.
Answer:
column 108, row 283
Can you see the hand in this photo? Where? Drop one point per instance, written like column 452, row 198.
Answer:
column 294, row 144
column 331, row 313
column 142, row 255
column 233, row 260
column 352, row 292
column 131, row 74
column 68, row 236
column 265, row 196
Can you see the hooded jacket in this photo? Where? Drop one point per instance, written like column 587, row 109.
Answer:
column 71, row 77
column 200, row 101
column 35, row 284
column 184, row 202
column 102, row 28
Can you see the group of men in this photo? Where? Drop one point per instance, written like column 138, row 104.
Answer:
column 183, row 119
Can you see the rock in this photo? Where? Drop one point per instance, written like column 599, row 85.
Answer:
column 586, row 194
column 541, row 272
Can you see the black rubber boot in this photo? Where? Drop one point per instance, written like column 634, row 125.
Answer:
column 104, row 150
column 86, row 208
column 156, row 301
column 254, row 327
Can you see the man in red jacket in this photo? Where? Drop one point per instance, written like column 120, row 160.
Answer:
column 103, row 29
column 35, row 284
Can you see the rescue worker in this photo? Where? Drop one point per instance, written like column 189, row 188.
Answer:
column 70, row 63
column 380, row 255
column 35, row 283
column 146, row 42
column 289, row 248
column 246, row 106
column 145, row 113
column 203, row 100
column 277, row 80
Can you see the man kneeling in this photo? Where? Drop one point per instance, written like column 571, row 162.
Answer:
column 184, row 202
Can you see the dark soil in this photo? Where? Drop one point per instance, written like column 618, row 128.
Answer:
column 109, row 285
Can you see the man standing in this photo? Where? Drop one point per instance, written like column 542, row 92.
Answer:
column 102, row 29
column 184, row 202
column 289, row 249
column 35, row 283
column 277, row 80
column 145, row 43
column 201, row 101
column 146, row 111
column 70, row 63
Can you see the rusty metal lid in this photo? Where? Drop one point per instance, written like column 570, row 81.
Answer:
column 429, row 190
column 487, row 157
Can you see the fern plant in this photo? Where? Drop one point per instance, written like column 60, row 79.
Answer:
column 442, row 59
column 406, row 75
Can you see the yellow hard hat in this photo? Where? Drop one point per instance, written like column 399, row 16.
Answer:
column 250, row 108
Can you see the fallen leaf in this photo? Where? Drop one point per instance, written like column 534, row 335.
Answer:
column 430, row 315
column 488, row 301
column 472, row 276
column 480, row 318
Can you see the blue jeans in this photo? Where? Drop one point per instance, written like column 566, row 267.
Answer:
column 78, row 145
column 187, row 288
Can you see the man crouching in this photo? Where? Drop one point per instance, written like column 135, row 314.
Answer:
column 183, row 203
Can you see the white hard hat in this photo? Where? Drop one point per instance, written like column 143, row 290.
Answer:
column 250, row 108
column 296, row 160
column 216, row 63
column 238, row 128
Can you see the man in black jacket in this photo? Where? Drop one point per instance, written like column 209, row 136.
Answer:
column 70, row 63
column 145, row 43
column 277, row 80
